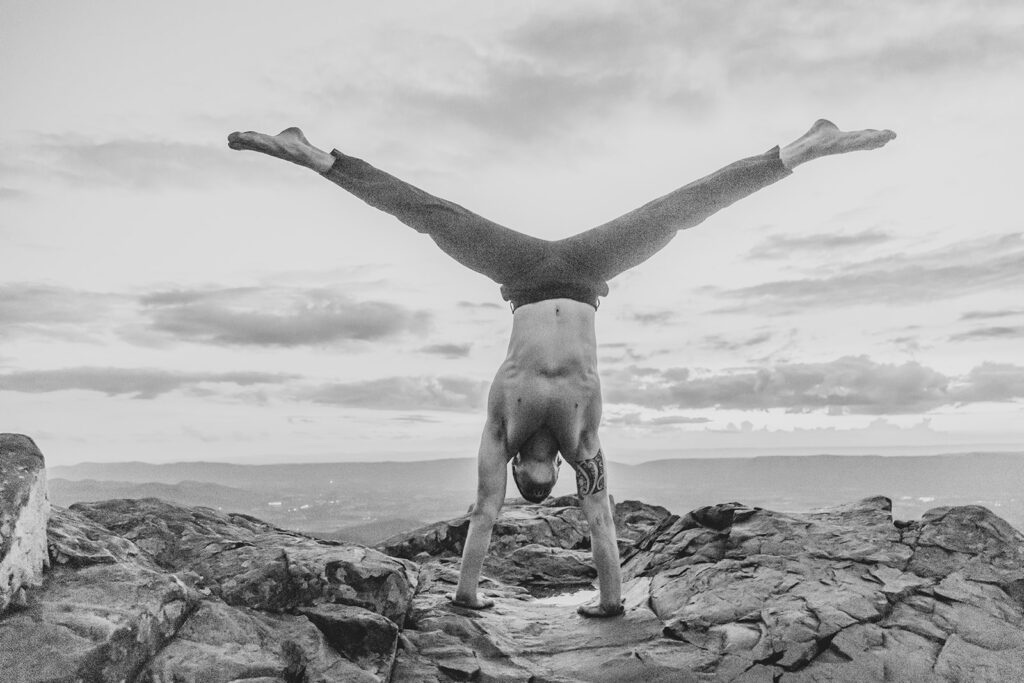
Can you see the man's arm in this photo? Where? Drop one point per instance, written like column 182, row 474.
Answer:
column 593, row 494
column 491, row 481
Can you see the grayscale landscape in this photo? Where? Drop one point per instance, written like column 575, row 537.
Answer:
column 368, row 502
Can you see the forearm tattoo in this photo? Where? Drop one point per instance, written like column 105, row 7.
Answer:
column 590, row 475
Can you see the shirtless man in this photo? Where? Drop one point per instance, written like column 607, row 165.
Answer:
column 546, row 396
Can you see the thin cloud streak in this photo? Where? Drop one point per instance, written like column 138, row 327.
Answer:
column 447, row 350
column 140, row 383
column 783, row 246
column 136, row 164
column 456, row 394
column 957, row 270
column 995, row 332
column 25, row 302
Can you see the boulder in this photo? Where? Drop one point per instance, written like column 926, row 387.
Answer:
column 537, row 546
column 221, row 643
column 364, row 637
column 24, row 510
column 97, row 622
column 151, row 591
column 249, row 563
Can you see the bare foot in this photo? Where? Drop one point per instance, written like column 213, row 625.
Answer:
column 825, row 139
column 290, row 144
column 476, row 603
column 599, row 611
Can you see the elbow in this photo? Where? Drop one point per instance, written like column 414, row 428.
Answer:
column 486, row 512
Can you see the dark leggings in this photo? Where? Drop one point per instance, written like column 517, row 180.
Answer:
column 591, row 258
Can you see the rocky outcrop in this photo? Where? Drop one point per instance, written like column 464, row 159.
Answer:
column 24, row 509
column 542, row 547
column 102, row 612
column 248, row 563
column 732, row 593
column 143, row 590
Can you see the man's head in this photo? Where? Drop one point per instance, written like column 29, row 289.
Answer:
column 535, row 467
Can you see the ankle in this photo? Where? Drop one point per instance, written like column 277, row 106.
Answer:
column 794, row 154
column 319, row 160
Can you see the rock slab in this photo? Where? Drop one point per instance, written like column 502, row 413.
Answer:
column 147, row 591
column 736, row 593
column 24, row 511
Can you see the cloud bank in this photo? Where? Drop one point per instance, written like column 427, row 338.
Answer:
column 852, row 384
column 276, row 317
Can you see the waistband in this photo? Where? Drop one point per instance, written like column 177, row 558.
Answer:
column 568, row 290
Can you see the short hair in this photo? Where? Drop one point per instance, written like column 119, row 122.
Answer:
column 530, row 480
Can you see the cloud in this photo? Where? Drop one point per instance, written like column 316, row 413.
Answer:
column 51, row 310
column 988, row 382
column 651, row 317
column 144, row 383
column 985, row 315
column 636, row 419
column 1002, row 332
column 416, row 419
column 563, row 68
column 784, row 246
column 447, row 350
column 141, row 164
column 852, row 384
column 720, row 343
column 7, row 193
column 956, row 270
column 402, row 393
column 473, row 304
column 276, row 317
column 24, row 302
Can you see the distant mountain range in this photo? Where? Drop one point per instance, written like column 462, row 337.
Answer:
column 366, row 502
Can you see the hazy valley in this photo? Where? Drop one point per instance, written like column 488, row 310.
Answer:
column 367, row 502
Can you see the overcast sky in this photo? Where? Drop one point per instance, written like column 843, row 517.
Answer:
column 164, row 298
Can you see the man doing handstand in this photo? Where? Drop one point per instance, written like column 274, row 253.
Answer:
column 546, row 396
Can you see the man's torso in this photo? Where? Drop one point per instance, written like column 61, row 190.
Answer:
column 549, row 377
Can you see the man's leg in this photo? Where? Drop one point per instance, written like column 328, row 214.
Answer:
column 631, row 239
column 825, row 139
column 477, row 243
column 491, row 480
